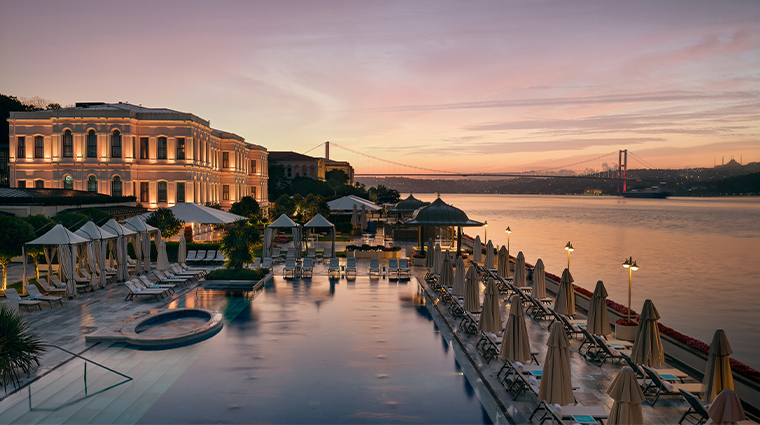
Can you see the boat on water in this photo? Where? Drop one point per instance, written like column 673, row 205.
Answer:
column 650, row 192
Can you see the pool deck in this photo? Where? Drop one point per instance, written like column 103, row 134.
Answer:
column 67, row 325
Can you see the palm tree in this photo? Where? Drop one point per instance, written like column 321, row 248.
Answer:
column 19, row 348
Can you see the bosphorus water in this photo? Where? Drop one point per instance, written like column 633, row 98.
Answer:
column 698, row 257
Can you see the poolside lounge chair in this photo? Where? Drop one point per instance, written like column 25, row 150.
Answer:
column 334, row 268
column 179, row 271
column 35, row 294
column 697, row 411
column 220, row 258
column 135, row 291
column 469, row 323
column 571, row 327
column 11, row 294
column 200, row 256
column 267, row 264
column 290, row 253
column 327, row 253
column 573, row 411
column 374, row 266
column 147, row 284
column 311, row 252
column 393, row 269
column 602, row 352
column 82, row 282
column 307, row 270
column 210, row 256
column 165, row 279
column 290, row 268
column 350, row 267
column 403, row 268
column 56, row 282
column 191, row 255
column 50, row 289
column 660, row 386
column 276, row 253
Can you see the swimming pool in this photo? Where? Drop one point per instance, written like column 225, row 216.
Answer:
column 301, row 351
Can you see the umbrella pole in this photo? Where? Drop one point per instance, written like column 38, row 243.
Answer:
column 459, row 241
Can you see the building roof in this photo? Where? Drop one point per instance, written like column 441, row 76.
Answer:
column 347, row 203
column 290, row 156
column 408, row 205
column 440, row 213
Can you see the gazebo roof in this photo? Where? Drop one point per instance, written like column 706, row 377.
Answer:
column 347, row 203
column 408, row 205
column 318, row 221
column 58, row 235
column 114, row 227
column 440, row 213
column 91, row 231
column 283, row 221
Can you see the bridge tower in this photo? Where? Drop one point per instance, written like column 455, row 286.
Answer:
column 327, row 149
column 622, row 170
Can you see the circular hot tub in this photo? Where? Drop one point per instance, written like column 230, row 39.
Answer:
column 173, row 327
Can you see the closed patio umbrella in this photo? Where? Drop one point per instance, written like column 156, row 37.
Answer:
column 515, row 345
column 447, row 272
column 489, row 263
column 520, row 275
column 490, row 316
column 471, row 290
column 429, row 254
column 477, row 250
column 539, row 280
column 598, row 322
column 565, row 302
column 182, row 254
column 363, row 219
column 718, row 372
column 726, row 409
column 627, row 396
column 162, row 262
column 437, row 257
column 502, row 268
column 355, row 217
column 647, row 348
column 458, row 286
column 556, row 387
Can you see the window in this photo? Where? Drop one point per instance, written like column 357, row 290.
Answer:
column 4, row 166
column 253, row 166
column 116, row 144
column 92, row 184
column 303, row 170
column 181, row 149
column 225, row 160
column 144, row 192
column 134, row 152
column 68, row 182
column 161, row 191
column 290, row 172
column 144, row 144
column 180, row 192
column 39, row 184
column 311, row 171
column 21, row 147
column 39, row 147
column 92, row 144
column 253, row 192
column 162, row 148
column 116, row 186
column 22, row 184
column 226, row 192
column 68, row 144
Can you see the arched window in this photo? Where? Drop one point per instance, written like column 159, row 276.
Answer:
column 162, row 148
column 92, row 144
column 39, row 184
column 116, row 144
column 303, row 170
column 68, row 144
column 92, row 184
column 311, row 171
column 116, row 186
column 68, row 182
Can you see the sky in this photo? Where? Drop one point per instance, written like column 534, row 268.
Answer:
column 489, row 86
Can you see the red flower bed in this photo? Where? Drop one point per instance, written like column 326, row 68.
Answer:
column 624, row 322
column 583, row 291
column 418, row 256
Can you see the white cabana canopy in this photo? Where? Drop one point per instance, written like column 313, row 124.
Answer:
column 345, row 205
column 66, row 242
column 96, row 257
column 194, row 213
column 319, row 222
column 282, row 222
column 114, row 227
column 58, row 235
column 118, row 249
column 138, row 225
column 91, row 231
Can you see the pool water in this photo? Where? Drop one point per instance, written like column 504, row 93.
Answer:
column 300, row 351
column 173, row 326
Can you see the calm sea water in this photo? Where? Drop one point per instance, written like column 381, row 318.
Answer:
column 698, row 258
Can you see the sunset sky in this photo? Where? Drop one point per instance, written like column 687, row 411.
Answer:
column 450, row 85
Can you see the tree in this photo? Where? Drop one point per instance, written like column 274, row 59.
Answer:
column 278, row 184
column 247, row 207
column 97, row 215
column 167, row 223
column 336, row 178
column 72, row 221
column 313, row 205
column 283, row 205
column 384, row 194
column 214, row 205
column 19, row 348
column 41, row 225
column 16, row 231
column 237, row 245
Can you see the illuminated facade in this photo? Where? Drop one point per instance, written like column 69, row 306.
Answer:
column 160, row 156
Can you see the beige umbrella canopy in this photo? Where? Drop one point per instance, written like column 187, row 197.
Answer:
column 503, row 262
column 182, row 254
column 489, row 263
column 520, row 276
column 539, row 280
column 471, row 290
column 726, row 409
column 515, row 345
column 627, row 396
column 458, row 286
column 565, row 301
column 477, row 250
column 556, row 387
column 447, row 272
column 718, row 372
column 647, row 348
column 490, row 317
column 598, row 322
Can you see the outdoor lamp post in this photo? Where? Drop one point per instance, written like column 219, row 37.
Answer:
column 508, row 231
column 486, row 234
column 569, row 248
column 632, row 267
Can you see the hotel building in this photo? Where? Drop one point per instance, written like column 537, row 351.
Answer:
column 160, row 156
column 297, row 164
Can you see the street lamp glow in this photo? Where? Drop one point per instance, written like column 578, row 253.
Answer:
column 486, row 233
column 569, row 248
column 632, row 267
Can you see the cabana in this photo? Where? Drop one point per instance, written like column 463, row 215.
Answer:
column 282, row 222
column 141, row 241
column 66, row 244
column 96, row 250
column 118, row 248
column 319, row 222
column 440, row 214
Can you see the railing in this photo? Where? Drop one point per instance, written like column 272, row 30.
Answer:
column 88, row 360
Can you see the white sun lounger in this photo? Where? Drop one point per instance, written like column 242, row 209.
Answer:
column 350, row 266
column 334, row 268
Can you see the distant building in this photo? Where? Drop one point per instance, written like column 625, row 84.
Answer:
column 297, row 164
column 161, row 156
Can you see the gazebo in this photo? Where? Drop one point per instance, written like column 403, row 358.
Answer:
column 346, row 204
column 441, row 214
column 408, row 206
column 141, row 241
column 65, row 242
column 96, row 249
column 118, row 250
column 282, row 222
column 319, row 222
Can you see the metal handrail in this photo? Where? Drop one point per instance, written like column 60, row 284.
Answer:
column 88, row 360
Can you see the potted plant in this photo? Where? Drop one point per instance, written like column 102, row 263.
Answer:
column 626, row 329
column 419, row 259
